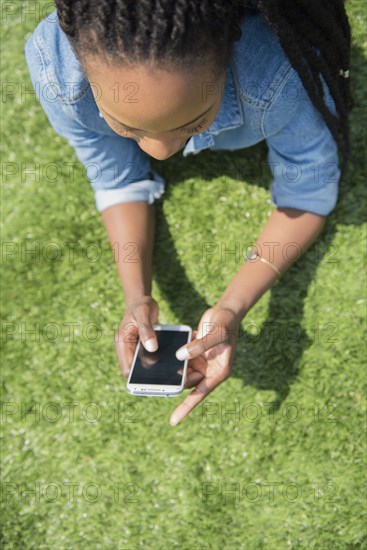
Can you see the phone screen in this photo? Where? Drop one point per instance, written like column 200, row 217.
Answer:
column 161, row 366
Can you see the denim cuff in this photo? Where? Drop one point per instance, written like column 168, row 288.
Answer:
column 140, row 191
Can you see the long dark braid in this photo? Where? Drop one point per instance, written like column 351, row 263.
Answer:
column 316, row 38
column 183, row 33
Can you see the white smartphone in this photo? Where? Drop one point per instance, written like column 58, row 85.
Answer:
column 160, row 373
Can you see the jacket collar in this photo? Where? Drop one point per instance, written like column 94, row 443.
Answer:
column 228, row 117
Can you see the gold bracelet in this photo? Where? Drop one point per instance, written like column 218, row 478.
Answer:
column 252, row 255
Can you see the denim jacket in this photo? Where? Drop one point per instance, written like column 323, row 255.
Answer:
column 263, row 99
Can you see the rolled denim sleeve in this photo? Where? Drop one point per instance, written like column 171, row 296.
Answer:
column 303, row 159
column 118, row 170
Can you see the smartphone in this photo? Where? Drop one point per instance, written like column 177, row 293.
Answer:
column 160, row 373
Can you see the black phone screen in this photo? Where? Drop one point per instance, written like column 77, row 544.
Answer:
column 161, row 366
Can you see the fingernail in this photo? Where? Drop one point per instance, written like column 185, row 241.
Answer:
column 150, row 344
column 173, row 421
column 182, row 354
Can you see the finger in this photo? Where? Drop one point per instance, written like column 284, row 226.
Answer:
column 193, row 379
column 196, row 365
column 199, row 345
column 147, row 333
column 125, row 343
column 193, row 399
column 192, row 373
column 193, row 336
column 125, row 348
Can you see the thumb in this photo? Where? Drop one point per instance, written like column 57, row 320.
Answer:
column 147, row 333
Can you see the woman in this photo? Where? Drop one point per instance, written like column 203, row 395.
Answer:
column 124, row 80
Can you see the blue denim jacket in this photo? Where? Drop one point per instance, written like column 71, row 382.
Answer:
column 263, row 99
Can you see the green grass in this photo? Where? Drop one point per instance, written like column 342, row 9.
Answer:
column 309, row 374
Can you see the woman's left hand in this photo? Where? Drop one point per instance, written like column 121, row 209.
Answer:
column 211, row 354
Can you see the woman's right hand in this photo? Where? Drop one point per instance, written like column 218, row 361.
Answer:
column 137, row 323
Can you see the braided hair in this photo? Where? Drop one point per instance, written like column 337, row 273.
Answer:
column 176, row 34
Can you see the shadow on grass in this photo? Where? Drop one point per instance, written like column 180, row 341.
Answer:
column 273, row 355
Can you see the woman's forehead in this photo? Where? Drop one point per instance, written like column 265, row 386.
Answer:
column 143, row 96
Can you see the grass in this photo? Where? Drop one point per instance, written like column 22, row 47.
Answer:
column 85, row 465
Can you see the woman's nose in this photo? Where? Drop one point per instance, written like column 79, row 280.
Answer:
column 161, row 149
